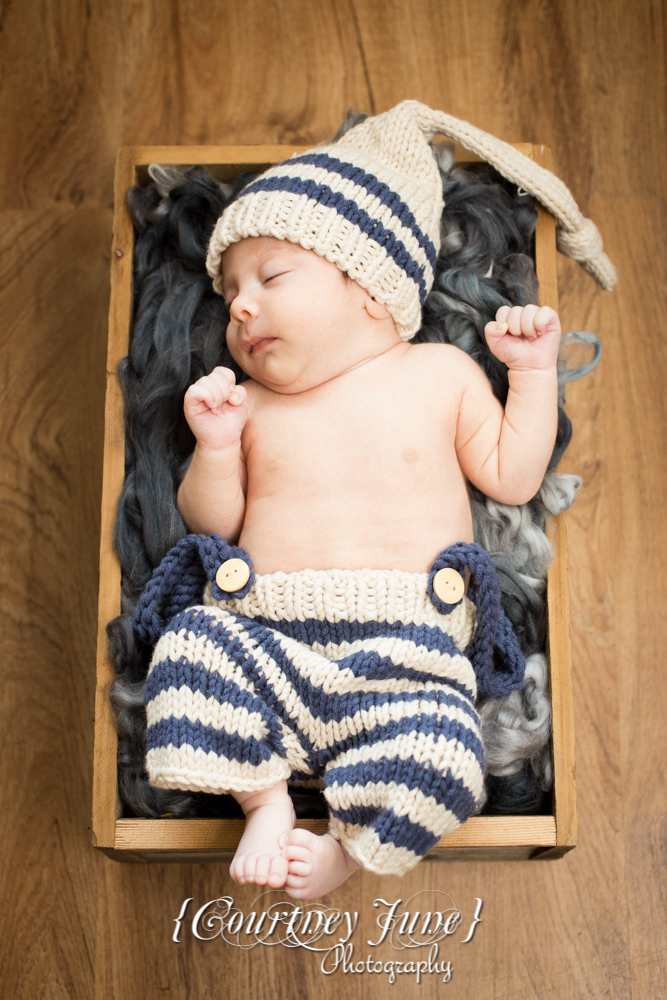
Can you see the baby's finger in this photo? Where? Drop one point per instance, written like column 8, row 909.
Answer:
column 225, row 379
column 224, row 373
column 238, row 395
column 221, row 379
column 502, row 314
column 546, row 317
column 493, row 332
column 207, row 391
column 513, row 321
column 528, row 314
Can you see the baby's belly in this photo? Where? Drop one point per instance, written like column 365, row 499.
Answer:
column 353, row 532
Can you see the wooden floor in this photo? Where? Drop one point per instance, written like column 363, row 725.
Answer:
column 80, row 79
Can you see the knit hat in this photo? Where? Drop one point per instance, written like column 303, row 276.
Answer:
column 371, row 203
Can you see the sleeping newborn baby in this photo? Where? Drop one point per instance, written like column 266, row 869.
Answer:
column 349, row 622
column 348, row 447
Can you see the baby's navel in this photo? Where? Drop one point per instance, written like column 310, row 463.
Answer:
column 410, row 456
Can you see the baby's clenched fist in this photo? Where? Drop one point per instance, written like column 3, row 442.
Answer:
column 525, row 337
column 216, row 409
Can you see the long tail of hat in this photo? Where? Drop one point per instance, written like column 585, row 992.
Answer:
column 576, row 236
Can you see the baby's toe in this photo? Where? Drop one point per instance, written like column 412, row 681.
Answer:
column 294, row 852
column 236, row 869
column 249, row 866
column 301, row 838
column 262, row 868
column 295, row 881
column 304, row 868
column 278, row 872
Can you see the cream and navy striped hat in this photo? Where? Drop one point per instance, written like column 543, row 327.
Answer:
column 371, row 203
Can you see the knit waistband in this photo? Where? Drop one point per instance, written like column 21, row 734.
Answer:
column 335, row 595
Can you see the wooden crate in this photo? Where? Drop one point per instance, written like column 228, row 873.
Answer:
column 480, row 838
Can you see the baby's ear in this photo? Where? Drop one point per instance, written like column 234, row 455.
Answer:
column 374, row 309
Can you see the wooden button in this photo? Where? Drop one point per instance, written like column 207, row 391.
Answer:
column 232, row 575
column 448, row 585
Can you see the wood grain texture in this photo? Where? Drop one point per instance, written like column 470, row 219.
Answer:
column 80, row 79
column 53, row 286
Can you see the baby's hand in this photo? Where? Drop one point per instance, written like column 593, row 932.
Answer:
column 216, row 409
column 525, row 337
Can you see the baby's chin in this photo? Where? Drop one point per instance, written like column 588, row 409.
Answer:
column 289, row 378
column 277, row 374
column 286, row 386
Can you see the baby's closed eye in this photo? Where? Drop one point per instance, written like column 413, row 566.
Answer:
column 278, row 274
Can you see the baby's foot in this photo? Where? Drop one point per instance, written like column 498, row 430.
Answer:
column 316, row 865
column 269, row 816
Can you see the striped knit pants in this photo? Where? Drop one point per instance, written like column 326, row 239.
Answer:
column 354, row 681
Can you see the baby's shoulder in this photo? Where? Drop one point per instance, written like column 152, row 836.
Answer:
column 441, row 361
column 435, row 351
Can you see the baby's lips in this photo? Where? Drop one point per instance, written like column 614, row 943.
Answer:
column 258, row 345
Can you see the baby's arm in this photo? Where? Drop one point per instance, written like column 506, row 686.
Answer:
column 506, row 453
column 211, row 497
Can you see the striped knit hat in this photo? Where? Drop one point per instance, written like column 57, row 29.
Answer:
column 371, row 204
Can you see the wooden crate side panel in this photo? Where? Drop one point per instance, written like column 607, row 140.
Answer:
column 559, row 651
column 214, row 155
column 225, row 834
column 464, row 854
column 120, row 310
column 242, row 155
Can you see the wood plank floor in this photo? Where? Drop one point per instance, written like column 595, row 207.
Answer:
column 82, row 77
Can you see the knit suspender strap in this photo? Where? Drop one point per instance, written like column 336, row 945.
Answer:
column 576, row 236
column 494, row 649
column 179, row 580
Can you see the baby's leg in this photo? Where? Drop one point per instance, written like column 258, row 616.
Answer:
column 316, row 865
column 394, row 791
column 269, row 815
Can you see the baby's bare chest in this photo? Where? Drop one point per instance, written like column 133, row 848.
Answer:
column 391, row 438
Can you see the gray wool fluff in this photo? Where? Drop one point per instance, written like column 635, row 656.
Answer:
column 178, row 335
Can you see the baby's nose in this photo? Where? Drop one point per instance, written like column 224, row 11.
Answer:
column 243, row 306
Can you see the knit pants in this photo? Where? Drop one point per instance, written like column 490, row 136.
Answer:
column 355, row 681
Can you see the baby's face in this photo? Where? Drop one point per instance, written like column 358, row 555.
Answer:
column 295, row 322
